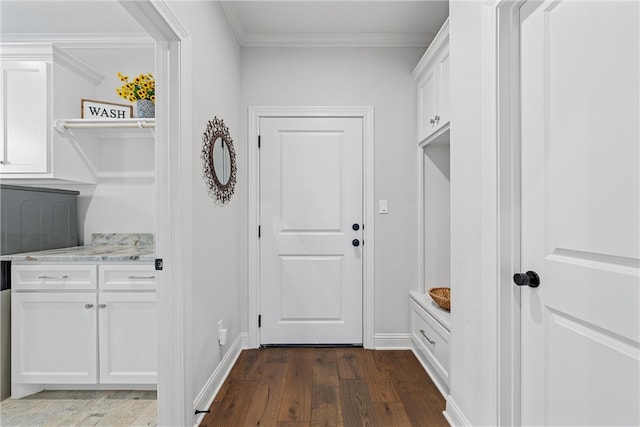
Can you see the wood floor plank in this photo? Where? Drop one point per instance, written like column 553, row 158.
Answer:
column 378, row 377
column 391, row 414
column 417, row 392
column 232, row 410
column 296, row 402
column 249, row 365
column 327, row 387
column 265, row 404
column 357, row 408
column 326, row 407
column 350, row 363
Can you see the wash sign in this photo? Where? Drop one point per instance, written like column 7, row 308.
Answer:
column 91, row 109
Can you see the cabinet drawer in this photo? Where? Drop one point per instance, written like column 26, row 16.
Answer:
column 432, row 337
column 52, row 277
column 127, row 277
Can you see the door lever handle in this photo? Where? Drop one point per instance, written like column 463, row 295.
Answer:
column 530, row 278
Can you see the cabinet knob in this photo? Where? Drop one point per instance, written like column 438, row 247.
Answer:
column 102, row 305
column 432, row 121
column 88, row 306
column 437, row 118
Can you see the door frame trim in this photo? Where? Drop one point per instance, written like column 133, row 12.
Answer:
column 173, row 206
column 253, row 254
column 501, row 201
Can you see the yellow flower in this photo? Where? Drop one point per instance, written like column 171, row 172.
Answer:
column 153, row 98
column 142, row 87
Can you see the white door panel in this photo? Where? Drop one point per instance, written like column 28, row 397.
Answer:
column 580, row 213
column 311, row 194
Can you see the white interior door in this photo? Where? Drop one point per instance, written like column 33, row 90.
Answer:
column 580, row 212
column 311, row 203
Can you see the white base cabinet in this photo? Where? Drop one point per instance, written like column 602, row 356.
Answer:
column 54, row 338
column 83, row 324
column 430, row 334
column 128, row 337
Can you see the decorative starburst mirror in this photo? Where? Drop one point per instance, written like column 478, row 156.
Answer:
column 219, row 161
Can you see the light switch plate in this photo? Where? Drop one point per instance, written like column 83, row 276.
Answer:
column 383, row 207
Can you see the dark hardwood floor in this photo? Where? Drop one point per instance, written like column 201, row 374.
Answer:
column 327, row 387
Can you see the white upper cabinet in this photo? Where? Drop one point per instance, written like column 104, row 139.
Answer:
column 38, row 83
column 432, row 75
column 24, row 117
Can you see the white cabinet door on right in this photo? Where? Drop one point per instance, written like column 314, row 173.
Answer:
column 128, row 338
column 53, row 338
column 24, row 117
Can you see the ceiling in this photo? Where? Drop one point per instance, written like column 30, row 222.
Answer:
column 67, row 19
column 335, row 23
column 255, row 23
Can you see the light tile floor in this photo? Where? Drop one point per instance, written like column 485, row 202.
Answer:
column 81, row 408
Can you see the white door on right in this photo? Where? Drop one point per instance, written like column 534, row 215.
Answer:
column 580, row 212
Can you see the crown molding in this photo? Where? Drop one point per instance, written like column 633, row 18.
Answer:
column 83, row 40
column 28, row 51
column 336, row 40
column 234, row 22
column 76, row 66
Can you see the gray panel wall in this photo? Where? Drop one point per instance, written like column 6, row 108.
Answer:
column 36, row 219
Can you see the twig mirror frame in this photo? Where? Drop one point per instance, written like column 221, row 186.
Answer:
column 220, row 192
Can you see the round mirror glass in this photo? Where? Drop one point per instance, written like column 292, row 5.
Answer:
column 221, row 160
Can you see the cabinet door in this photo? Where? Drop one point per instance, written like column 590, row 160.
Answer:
column 128, row 338
column 427, row 103
column 443, row 89
column 53, row 338
column 24, row 117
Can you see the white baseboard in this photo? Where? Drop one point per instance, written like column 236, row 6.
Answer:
column 392, row 341
column 211, row 388
column 454, row 415
column 244, row 340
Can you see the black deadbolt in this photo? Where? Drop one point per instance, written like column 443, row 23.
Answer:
column 355, row 242
column 530, row 278
column 355, row 227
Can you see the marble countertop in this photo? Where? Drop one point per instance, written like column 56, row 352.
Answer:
column 104, row 248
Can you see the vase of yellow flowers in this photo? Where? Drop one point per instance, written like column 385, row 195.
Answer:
column 142, row 91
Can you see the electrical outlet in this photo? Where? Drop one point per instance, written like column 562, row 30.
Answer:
column 220, row 327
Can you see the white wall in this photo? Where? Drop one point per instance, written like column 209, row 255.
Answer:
column 473, row 362
column 215, row 240
column 378, row 77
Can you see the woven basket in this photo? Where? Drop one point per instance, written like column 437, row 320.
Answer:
column 442, row 296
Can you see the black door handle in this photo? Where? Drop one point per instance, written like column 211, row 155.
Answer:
column 355, row 227
column 530, row 278
column 355, row 242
